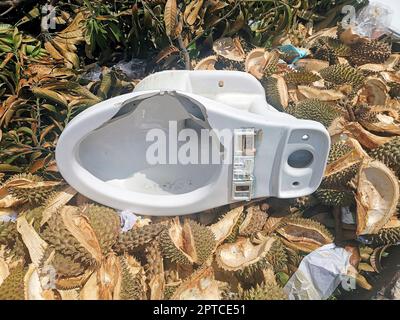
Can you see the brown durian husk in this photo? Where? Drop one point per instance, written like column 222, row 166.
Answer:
column 377, row 196
column 388, row 120
column 207, row 63
column 303, row 238
column 307, row 92
column 229, row 48
column 363, row 136
column 255, row 62
column 200, row 286
column 224, row 227
column 375, row 92
column 242, row 253
column 312, row 64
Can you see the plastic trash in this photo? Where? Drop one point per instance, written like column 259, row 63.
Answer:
column 374, row 20
column 133, row 69
column 8, row 217
column 93, row 74
column 295, row 53
column 128, row 220
column 320, row 273
column 348, row 217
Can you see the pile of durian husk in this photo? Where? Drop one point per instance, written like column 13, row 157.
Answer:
column 57, row 244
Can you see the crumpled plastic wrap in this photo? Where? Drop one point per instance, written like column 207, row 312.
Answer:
column 319, row 274
column 128, row 220
column 373, row 21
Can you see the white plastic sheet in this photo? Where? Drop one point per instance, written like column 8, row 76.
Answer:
column 319, row 274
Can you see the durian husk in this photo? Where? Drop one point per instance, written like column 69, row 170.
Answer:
column 254, row 221
column 364, row 137
column 260, row 62
column 307, row 92
column 30, row 188
column 244, row 256
column 226, row 225
column 375, row 92
column 207, row 63
column 377, row 196
column 304, row 235
column 383, row 119
column 312, row 64
column 230, row 49
column 276, row 91
column 201, row 286
column 190, row 243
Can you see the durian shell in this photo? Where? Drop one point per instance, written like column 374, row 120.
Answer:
column 30, row 188
column 138, row 236
column 377, row 196
column 200, row 286
column 207, row 63
column 254, row 221
column 265, row 291
column 389, row 154
column 375, row 92
column 133, row 285
column 301, row 78
column 276, row 91
column 245, row 257
column 256, row 62
column 62, row 231
column 310, row 65
column 105, row 223
column 13, row 287
column 305, row 235
column 227, row 225
column 382, row 119
column 316, row 110
column 260, row 62
column 188, row 243
column 155, row 271
column 230, row 49
column 365, row 138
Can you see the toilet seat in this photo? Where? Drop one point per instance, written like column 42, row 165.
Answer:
column 103, row 152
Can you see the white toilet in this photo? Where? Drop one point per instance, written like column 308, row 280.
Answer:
column 187, row 141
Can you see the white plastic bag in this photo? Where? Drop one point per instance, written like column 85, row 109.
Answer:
column 373, row 21
column 319, row 274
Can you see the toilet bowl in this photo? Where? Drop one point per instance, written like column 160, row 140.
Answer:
column 186, row 141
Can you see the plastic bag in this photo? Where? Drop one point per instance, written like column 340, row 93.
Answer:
column 128, row 220
column 319, row 274
column 373, row 21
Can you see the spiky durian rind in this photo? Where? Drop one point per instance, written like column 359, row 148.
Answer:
column 301, row 78
column 314, row 109
column 265, row 291
column 340, row 179
column 338, row 150
column 389, row 154
column 65, row 267
column 204, row 241
column 235, row 230
column 106, row 225
column 336, row 198
column 138, row 236
column 275, row 257
column 370, row 51
column 273, row 93
column 311, row 224
column 341, row 74
column 170, row 251
column 386, row 236
column 34, row 195
column 57, row 236
column 131, row 284
column 12, row 287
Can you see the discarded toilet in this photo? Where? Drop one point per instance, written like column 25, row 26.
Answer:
column 187, row 141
